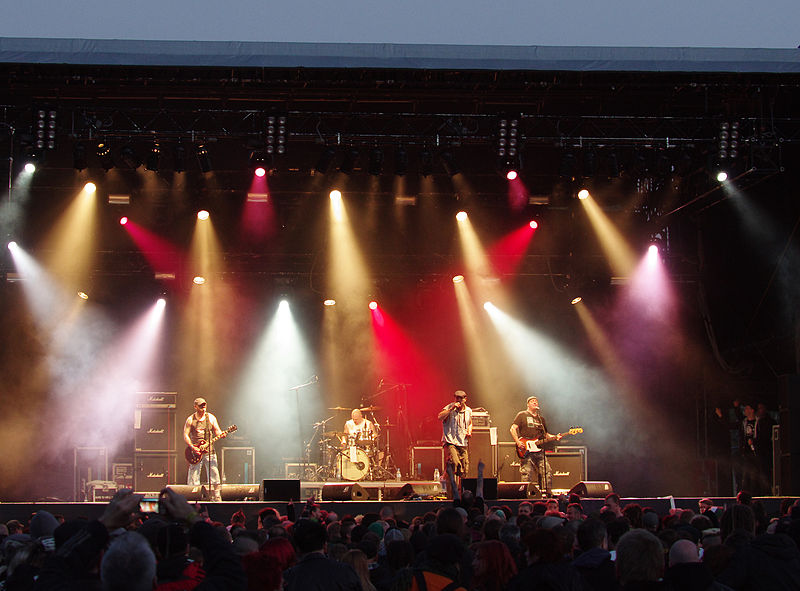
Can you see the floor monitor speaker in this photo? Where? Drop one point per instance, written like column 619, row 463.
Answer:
column 190, row 491
column 596, row 489
column 517, row 490
column 240, row 492
column 344, row 491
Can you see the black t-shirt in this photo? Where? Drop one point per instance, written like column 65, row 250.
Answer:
column 530, row 426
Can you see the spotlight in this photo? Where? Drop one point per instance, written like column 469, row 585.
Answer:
column 458, row 279
column 449, row 162
column 129, row 156
column 349, row 162
column 329, row 303
column 652, row 250
column 203, row 159
column 123, row 220
column 179, row 155
column 576, row 300
column 202, row 215
column 161, row 303
column 375, row 167
column 373, row 305
column 489, row 306
column 461, row 216
column 104, row 153
column 401, row 161
column 12, row 246
column 79, row 161
column 583, row 194
column 722, row 176
column 336, row 195
column 30, row 167
column 426, row 162
column 511, row 175
column 153, row 158
column 533, row 224
column 325, row 160
column 90, row 187
column 83, row 295
column 199, row 280
column 259, row 163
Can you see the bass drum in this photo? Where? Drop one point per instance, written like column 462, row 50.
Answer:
column 353, row 470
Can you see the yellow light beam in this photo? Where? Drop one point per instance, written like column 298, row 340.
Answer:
column 620, row 255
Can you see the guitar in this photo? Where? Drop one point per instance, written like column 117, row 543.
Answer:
column 533, row 445
column 193, row 457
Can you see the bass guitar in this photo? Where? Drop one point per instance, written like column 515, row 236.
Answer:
column 193, row 457
column 534, row 445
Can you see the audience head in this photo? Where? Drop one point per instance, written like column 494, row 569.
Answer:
column 128, row 565
column 640, row 557
column 310, row 536
column 683, row 551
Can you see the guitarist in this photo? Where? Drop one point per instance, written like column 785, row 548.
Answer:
column 530, row 424
column 202, row 426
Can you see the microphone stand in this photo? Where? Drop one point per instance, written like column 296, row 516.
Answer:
column 303, row 459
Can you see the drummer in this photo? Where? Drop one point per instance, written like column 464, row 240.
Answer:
column 358, row 428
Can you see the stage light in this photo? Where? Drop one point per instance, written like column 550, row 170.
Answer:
column 199, row 280
column 583, row 194
column 161, row 303
column 118, row 199
column 260, row 171
column 722, row 176
column 83, row 295
column 329, row 303
column 153, row 158
column 325, row 160
column 30, row 167
column 123, row 220
column 104, row 153
column 461, row 216
column 511, row 175
column 449, row 162
column 373, row 305
column 349, row 162
column 79, row 161
column 203, row 158
column 652, row 250
column 458, row 279
column 576, row 300
column 12, row 246
column 401, row 161
column 375, row 167
column 489, row 306
column 336, row 195
column 45, row 128
column 179, row 158
column 533, row 224
column 259, row 163
column 129, row 156
column 202, row 215
column 276, row 134
column 90, row 187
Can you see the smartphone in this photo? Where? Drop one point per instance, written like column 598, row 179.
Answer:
column 148, row 505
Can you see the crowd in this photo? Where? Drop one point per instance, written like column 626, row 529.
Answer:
column 465, row 545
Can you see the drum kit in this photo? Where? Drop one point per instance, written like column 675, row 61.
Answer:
column 363, row 455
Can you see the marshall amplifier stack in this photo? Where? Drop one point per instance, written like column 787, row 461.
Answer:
column 154, row 428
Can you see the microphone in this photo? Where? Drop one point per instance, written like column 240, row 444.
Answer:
column 315, row 379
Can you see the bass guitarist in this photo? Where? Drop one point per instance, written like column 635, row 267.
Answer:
column 201, row 427
column 529, row 431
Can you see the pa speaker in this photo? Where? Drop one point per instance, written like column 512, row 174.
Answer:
column 517, row 490
column 489, row 487
column 280, row 490
column 592, row 488
column 344, row 492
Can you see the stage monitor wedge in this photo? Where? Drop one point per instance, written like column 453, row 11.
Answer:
column 594, row 489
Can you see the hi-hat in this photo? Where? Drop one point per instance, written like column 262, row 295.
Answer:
column 338, row 408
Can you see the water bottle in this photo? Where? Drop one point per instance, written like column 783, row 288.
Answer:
column 398, row 476
column 436, row 475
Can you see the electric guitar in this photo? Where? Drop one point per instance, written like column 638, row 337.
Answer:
column 193, row 457
column 534, row 445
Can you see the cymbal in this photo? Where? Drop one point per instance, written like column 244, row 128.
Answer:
column 338, row 408
column 337, row 434
column 370, row 408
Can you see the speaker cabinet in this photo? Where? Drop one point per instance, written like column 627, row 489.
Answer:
column 239, row 464
column 489, row 487
column 191, row 492
column 481, row 448
column 240, row 492
column 154, row 429
column 596, row 489
column 280, row 490
column 567, row 468
column 154, row 470
column 517, row 490
column 344, row 492
column 507, row 462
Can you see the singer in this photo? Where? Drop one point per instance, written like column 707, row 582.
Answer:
column 456, row 420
